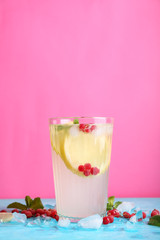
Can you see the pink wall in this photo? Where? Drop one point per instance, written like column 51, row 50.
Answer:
column 68, row 58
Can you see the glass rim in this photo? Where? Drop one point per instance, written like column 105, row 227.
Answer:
column 85, row 117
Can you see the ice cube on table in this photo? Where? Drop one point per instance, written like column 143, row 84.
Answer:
column 126, row 207
column 139, row 215
column 133, row 219
column 19, row 217
column 63, row 222
column 34, row 223
column 92, row 222
column 74, row 130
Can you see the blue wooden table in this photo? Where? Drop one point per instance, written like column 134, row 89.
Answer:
column 116, row 230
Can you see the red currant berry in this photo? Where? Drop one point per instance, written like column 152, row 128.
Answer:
column 15, row 210
column 140, row 219
column 154, row 213
column 126, row 215
column 23, row 211
column 144, row 215
column 40, row 211
column 57, row 218
column 93, row 127
column 28, row 214
column 94, row 170
column 115, row 213
column 87, row 172
column 37, row 215
column 81, row 168
column 33, row 211
column 3, row 211
column 106, row 220
column 48, row 213
column 81, row 127
column 87, row 130
column 87, row 166
column 133, row 214
column 111, row 218
column 110, row 212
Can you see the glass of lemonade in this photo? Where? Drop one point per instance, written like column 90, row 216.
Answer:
column 81, row 153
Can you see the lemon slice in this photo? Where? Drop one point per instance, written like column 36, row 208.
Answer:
column 5, row 217
column 84, row 148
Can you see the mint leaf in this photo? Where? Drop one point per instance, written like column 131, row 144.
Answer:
column 117, row 204
column 109, row 206
column 17, row 205
column 36, row 204
column 155, row 221
column 111, row 200
column 59, row 127
column 76, row 121
column 28, row 201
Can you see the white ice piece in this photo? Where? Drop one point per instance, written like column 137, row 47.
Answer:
column 19, row 217
column 74, row 130
column 126, row 207
column 92, row 222
column 63, row 222
column 133, row 219
column 103, row 130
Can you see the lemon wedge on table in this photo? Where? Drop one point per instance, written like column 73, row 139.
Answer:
column 83, row 148
column 5, row 217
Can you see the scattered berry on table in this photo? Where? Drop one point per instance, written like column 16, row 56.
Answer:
column 15, row 210
column 28, row 214
column 33, row 211
column 40, row 211
column 57, row 218
column 37, row 215
column 154, row 212
column 133, row 214
column 3, row 210
column 126, row 215
column 144, row 215
column 111, row 218
column 106, row 220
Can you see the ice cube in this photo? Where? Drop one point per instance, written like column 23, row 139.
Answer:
column 109, row 129
column 133, row 219
column 139, row 215
column 34, row 223
column 63, row 222
column 125, row 207
column 19, row 217
column 74, row 131
column 92, row 222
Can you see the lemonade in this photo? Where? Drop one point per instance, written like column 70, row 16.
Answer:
column 81, row 156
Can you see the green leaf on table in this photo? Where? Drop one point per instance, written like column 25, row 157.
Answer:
column 117, row 204
column 155, row 221
column 109, row 207
column 76, row 121
column 28, row 201
column 36, row 204
column 17, row 205
column 111, row 200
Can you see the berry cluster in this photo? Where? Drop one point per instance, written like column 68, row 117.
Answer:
column 115, row 213
column 37, row 213
column 87, row 128
column 87, row 169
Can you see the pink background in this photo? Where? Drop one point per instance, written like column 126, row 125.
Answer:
column 69, row 58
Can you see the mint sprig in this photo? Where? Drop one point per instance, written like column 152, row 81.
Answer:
column 111, row 205
column 35, row 203
column 76, row 121
column 155, row 221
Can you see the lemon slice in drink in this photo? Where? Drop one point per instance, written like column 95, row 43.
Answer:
column 84, row 148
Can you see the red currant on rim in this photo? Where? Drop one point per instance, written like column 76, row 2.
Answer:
column 81, row 168
column 94, row 170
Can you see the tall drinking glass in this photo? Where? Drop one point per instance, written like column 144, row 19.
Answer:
column 81, row 153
